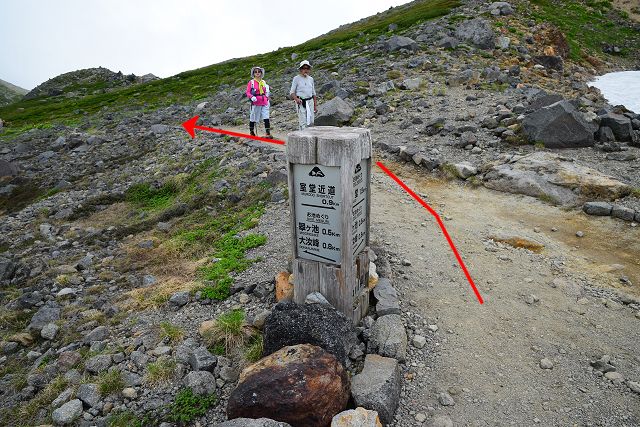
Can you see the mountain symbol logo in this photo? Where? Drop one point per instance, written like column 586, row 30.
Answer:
column 358, row 168
column 316, row 171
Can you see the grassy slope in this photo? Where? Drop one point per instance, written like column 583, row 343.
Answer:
column 10, row 93
column 202, row 82
column 588, row 24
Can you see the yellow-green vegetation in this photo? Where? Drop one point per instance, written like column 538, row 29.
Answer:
column 254, row 349
column 110, row 382
column 12, row 321
column 28, row 411
column 200, row 83
column 125, row 419
column 146, row 197
column 160, row 371
column 188, row 406
column 587, row 25
column 231, row 333
column 394, row 74
column 172, row 332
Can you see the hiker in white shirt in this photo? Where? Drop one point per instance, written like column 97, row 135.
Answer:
column 302, row 92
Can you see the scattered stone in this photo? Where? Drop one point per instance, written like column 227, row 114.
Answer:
column 400, row 42
column 316, row 298
column 579, row 233
column 386, row 297
column 316, row 324
column 89, row 394
column 46, row 314
column 336, row 112
column 378, row 386
column 418, row 341
column 613, row 376
column 302, row 385
column 477, row 31
column 98, row 364
column 49, row 331
column 100, row 333
column 67, row 413
column 179, row 298
column 202, row 360
column 546, row 363
column 464, row 170
column 388, row 337
column 441, row 421
column 129, row 393
column 359, row 417
column 622, row 212
column 445, row 399
column 559, row 125
column 597, row 208
column 200, row 382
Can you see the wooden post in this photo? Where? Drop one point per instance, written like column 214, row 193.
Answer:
column 329, row 194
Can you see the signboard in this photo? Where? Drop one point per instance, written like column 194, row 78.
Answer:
column 318, row 212
column 359, row 223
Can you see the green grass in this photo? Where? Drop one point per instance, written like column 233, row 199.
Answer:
column 125, row 419
column 148, row 198
column 110, row 382
column 587, row 26
column 230, row 333
column 160, row 371
column 172, row 332
column 188, row 406
column 254, row 350
column 200, row 83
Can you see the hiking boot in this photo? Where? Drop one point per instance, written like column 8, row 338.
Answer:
column 268, row 135
column 252, row 133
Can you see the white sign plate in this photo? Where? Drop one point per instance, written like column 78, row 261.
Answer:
column 359, row 224
column 318, row 198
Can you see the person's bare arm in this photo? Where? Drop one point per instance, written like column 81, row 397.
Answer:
column 315, row 104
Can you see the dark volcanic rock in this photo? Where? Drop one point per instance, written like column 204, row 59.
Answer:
column 619, row 125
column 316, row 324
column 559, row 125
column 302, row 385
column 334, row 113
column 549, row 61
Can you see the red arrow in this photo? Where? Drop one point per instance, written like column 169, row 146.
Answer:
column 190, row 126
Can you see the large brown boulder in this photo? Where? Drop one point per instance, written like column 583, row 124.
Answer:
column 302, row 385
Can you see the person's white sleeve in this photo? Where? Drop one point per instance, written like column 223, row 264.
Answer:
column 267, row 90
column 293, row 86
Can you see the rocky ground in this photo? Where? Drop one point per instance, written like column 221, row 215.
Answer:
column 112, row 231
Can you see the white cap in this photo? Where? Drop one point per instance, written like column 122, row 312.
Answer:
column 303, row 63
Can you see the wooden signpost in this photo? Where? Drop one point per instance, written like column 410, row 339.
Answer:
column 329, row 191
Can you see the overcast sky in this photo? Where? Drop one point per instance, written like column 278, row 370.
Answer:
column 40, row 39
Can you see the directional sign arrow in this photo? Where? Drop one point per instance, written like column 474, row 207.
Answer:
column 190, row 126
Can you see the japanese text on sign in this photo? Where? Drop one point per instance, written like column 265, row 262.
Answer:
column 318, row 212
column 359, row 223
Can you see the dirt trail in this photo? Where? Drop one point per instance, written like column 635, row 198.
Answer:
column 487, row 357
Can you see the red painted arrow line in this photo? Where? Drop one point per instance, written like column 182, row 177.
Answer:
column 440, row 223
column 190, row 126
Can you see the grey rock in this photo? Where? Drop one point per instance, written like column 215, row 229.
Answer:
column 411, row 84
column 464, row 170
column 316, row 298
column 317, row 324
column 248, row 422
column 7, row 269
column 418, row 341
column 448, row 42
column 62, row 398
column 100, row 333
column 597, row 208
column 8, row 168
column 46, row 314
column 159, row 129
column 260, row 319
column 386, row 297
column 202, row 360
column 605, row 134
column 131, row 379
column 441, row 421
column 477, row 31
column 500, row 8
column 179, row 298
column 148, row 280
column 546, row 363
column 49, row 331
column 139, row 359
column 200, row 382
column 388, row 337
column 89, row 394
column 623, row 212
column 620, row 125
column 503, row 42
column 378, row 386
column 98, row 364
column 551, row 62
column 67, row 413
column 400, row 42
column 229, row 374
column 445, row 399
column 334, row 113
column 559, row 125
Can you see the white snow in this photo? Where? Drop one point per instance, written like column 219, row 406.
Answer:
column 620, row 88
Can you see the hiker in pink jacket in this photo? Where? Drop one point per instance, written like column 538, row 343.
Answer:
column 258, row 93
